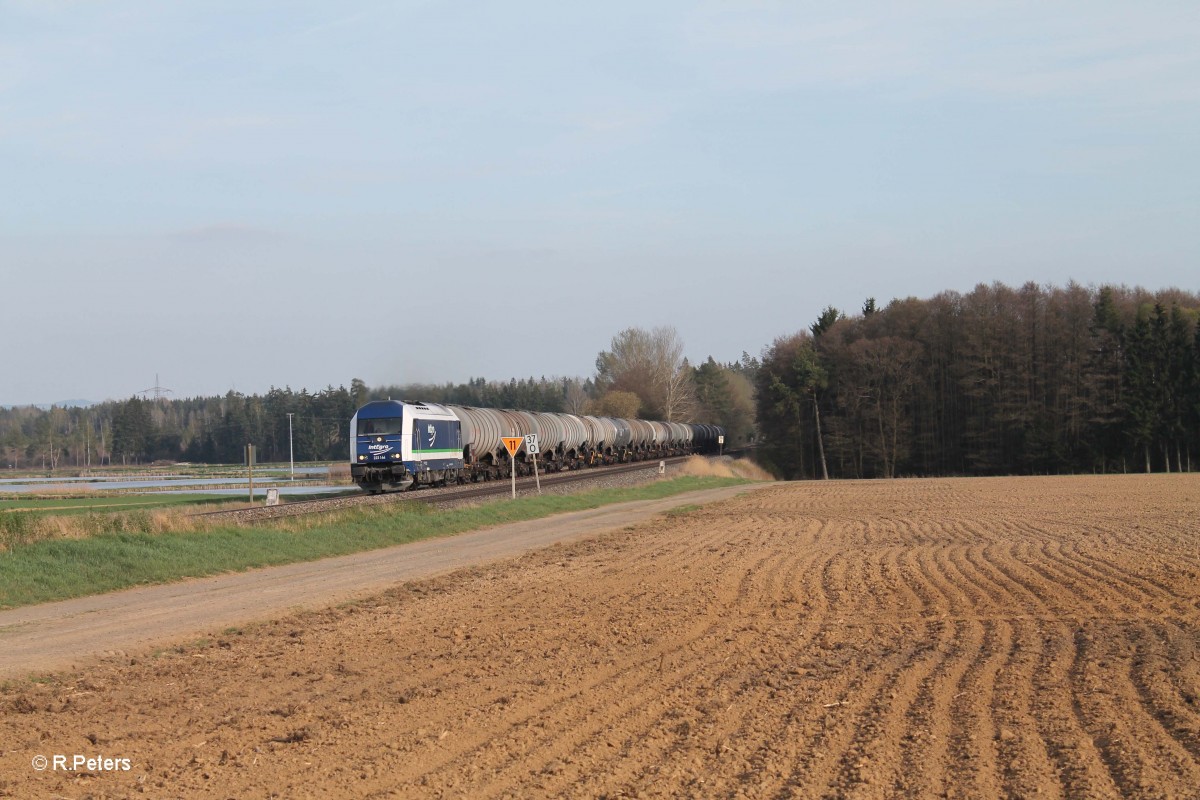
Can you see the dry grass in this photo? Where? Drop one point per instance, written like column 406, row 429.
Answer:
column 339, row 474
column 725, row 468
column 26, row 528
column 23, row 528
column 62, row 490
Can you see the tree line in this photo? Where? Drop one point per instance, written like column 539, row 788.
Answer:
column 1032, row 380
column 1000, row 380
column 202, row 430
column 217, row 429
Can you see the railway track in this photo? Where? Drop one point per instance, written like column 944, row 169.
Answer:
column 472, row 491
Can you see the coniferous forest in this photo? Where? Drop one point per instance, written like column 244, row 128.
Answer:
column 1021, row 381
column 1000, row 380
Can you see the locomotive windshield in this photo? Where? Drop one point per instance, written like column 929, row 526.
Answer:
column 380, row 426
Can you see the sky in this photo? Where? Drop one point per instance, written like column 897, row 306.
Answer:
column 238, row 195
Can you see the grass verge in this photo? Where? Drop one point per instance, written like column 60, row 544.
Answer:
column 83, row 505
column 63, row 568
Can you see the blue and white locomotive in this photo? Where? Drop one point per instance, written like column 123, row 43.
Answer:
column 394, row 445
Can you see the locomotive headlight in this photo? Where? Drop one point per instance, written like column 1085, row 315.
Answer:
column 362, row 458
column 379, row 438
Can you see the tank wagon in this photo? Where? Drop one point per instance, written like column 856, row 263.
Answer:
column 399, row 445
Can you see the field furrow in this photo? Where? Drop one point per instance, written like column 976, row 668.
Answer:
column 1014, row 638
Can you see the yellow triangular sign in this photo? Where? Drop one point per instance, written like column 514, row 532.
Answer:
column 513, row 443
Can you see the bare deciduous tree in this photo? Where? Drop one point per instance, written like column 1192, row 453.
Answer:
column 575, row 397
column 651, row 365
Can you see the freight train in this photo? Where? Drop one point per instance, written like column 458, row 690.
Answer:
column 396, row 446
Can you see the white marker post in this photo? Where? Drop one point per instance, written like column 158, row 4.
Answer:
column 250, row 470
column 512, row 444
column 531, row 447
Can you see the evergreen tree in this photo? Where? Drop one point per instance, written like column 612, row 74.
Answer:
column 131, row 430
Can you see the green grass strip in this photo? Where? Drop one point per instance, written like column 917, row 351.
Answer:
column 59, row 569
column 83, row 505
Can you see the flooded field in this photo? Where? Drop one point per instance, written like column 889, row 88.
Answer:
column 308, row 479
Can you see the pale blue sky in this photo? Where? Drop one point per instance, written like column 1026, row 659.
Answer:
column 240, row 195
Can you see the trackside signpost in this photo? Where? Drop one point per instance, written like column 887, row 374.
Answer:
column 531, row 447
column 512, row 444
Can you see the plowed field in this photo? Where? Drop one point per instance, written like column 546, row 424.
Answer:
column 916, row 638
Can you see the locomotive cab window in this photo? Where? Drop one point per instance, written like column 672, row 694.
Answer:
column 380, row 426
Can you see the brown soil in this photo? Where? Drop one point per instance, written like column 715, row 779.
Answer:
column 917, row 638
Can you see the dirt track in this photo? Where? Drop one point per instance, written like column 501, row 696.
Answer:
column 961, row 638
column 70, row 633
